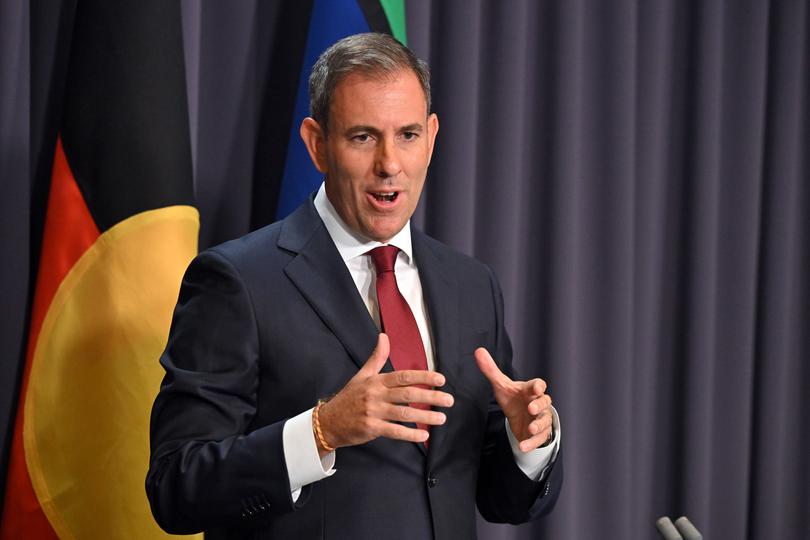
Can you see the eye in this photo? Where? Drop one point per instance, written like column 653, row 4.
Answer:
column 410, row 135
column 361, row 137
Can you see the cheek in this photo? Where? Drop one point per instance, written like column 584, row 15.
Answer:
column 416, row 168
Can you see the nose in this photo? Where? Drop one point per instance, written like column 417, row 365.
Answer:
column 387, row 163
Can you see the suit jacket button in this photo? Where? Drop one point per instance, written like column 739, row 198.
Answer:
column 432, row 481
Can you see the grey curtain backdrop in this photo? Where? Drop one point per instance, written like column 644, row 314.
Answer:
column 637, row 175
column 15, row 208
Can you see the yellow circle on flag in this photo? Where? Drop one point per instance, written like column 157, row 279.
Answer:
column 95, row 374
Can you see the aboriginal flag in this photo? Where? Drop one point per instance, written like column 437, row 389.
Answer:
column 119, row 231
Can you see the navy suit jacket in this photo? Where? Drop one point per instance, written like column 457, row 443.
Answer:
column 267, row 324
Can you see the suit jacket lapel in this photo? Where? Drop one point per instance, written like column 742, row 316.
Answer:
column 321, row 276
column 440, row 291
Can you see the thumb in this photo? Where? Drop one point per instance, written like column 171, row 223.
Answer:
column 378, row 356
column 489, row 368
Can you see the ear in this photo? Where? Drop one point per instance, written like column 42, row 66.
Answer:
column 314, row 140
column 432, row 130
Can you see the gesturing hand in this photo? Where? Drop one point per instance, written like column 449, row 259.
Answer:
column 524, row 403
column 371, row 402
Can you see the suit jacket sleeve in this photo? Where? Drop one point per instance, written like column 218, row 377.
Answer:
column 504, row 493
column 207, row 467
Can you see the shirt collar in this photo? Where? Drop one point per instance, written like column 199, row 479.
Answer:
column 349, row 243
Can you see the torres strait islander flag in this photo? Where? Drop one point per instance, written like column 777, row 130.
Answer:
column 330, row 21
column 119, row 231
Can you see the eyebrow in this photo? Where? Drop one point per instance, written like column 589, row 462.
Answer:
column 411, row 127
column 374, row 131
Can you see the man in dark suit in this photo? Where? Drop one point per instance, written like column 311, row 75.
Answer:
column 285, row 413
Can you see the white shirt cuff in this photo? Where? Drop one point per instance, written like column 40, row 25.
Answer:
column 304, row 465
column 534, row 464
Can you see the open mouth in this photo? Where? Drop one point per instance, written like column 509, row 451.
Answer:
column 386, row 197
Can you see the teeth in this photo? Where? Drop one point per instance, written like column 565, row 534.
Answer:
column 385, row 196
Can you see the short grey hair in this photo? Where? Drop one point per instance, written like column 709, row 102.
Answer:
column 373, row 55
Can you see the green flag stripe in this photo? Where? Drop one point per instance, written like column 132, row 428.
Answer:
column 395, row 12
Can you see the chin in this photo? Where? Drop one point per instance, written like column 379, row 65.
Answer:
column 383, row 234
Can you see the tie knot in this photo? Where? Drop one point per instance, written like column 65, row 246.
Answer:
column 384, row 258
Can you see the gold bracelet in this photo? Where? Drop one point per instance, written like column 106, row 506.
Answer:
column 316, row 427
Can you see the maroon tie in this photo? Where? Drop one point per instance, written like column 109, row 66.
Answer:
column 396, row 317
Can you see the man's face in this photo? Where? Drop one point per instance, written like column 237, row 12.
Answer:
column 377, row 152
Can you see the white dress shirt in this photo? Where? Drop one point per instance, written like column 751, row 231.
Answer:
column 304, row 465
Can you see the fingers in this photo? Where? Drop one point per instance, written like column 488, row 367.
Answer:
column 489, row 368
column 400, row 432
column 378, row 356
column 539, row 405
column 534, row 441
column 541, row 423
column 413, row 394
column 378, row 427
column 371, row 403
column 410, row 377
column 536, row 387
column 403, row 413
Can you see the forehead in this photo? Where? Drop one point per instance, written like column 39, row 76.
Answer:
column 364, row 98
